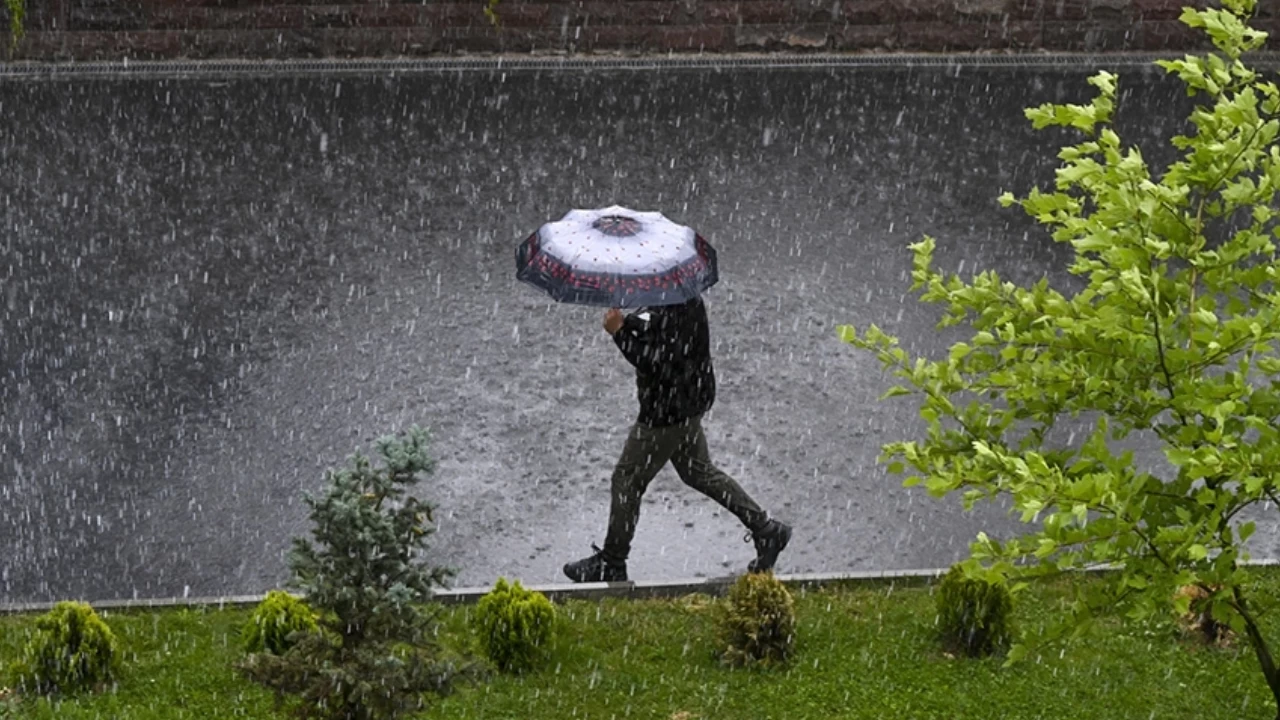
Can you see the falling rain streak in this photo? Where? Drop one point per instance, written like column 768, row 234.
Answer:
column 213, row 290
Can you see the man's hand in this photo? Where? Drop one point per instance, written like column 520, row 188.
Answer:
column 613, row 321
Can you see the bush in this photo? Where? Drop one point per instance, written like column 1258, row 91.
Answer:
column 72, row 649
column 272, row 626
column 757, row 622
column 514, row 625
column 973, row 613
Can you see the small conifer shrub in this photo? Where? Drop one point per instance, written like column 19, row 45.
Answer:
column 277, row 617
column 366, row 572
column 514, row 625
column 757, row 622
column 71, row 649
column 973, row 613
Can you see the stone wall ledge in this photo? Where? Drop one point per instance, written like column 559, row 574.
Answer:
column 418, row 41
column 89, row 30
column 88, row 15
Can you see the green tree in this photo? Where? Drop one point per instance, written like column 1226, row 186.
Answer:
column 491, row 12
column 17, row 22
column 373, row 656
column 1173, row 336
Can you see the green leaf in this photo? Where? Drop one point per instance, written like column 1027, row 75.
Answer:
column 1046, row 548
column 1017, row 653
column 895, row 391
column 1197, row 552
column 1246, row 530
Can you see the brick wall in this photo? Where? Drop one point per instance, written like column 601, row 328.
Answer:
column 143, row 29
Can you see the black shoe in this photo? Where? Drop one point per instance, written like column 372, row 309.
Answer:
column 770, row 541
column 596, row 569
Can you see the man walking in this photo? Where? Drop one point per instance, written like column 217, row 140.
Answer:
column 670, row 347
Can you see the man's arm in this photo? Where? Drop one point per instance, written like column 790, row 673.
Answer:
column 640, row 341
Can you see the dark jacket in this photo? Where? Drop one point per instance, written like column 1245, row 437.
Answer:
column 671, row 352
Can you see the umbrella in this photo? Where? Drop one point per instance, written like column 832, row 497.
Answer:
column 617, row 257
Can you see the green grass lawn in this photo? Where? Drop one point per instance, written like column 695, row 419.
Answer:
column 864, row 651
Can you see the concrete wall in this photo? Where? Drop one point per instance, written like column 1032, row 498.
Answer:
column 152, row 29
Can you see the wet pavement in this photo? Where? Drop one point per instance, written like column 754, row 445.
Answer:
column 213, row 290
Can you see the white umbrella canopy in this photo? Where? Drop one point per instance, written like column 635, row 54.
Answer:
column 617, row 257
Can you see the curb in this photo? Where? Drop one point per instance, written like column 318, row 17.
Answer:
column 634, row 590
column 557, row 592
column 31, row 70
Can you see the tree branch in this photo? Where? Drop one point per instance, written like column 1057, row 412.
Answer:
column 1239, row 153
column 1271, row 494
column 1177, row 215
column 1191, row 311
column 1261, row 298
column 1164, row 365
column 1222, row 354
column 1171, row 496
column 1259, row 643
column 1152, row 546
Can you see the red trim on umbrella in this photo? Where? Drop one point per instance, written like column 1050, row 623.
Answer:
column 558, row 276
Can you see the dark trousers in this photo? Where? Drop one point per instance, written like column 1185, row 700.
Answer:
column 649, row 448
